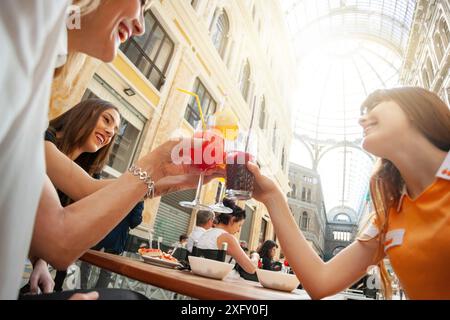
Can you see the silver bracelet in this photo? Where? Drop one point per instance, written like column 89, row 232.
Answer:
column 144, row 176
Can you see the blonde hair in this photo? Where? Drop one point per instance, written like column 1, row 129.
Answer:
column 66, row 77
column 75, row 60
column 86, row 6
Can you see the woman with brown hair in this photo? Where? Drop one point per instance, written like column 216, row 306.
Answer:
column 86, row 133
column 226, row 226
column 267, row 253
column 84, row 136
column 408, row 129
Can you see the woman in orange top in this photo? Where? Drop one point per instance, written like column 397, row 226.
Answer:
column 408, row 129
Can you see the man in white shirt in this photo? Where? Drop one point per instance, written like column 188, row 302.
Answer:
column 205, row 220
column 34, row 37
column 30, row 33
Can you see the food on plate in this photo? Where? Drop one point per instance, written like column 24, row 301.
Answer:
column 154, row 253
column 168, row 257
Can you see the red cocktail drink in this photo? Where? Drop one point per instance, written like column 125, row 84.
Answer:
column 207, row 151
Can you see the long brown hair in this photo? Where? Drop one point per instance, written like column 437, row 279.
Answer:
column 74, row 128
column 431, row 116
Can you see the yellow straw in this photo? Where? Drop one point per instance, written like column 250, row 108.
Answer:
column 199, row 105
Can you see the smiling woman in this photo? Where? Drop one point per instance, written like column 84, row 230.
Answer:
column 104, row 25
column 85, row 132
column 83, row 136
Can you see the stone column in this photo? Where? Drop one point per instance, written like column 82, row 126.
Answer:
column 255, row 228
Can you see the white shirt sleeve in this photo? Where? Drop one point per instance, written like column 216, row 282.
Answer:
column 29, row 33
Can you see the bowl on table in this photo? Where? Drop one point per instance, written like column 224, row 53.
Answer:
column 209, row 268
column 277, row 280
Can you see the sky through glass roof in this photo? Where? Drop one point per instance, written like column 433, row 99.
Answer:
column 345, row 50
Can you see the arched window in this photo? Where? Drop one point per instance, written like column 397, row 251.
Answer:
column 342, row 217
column 308, row 195
column 448, row 95
column 262, row 114
column 438, row 46
column 283, row 156
column 194, row 4
column 219, row 33
column 425, row 78
column 294, row 191
column 244, row 80
column 443, row 30
column 303, row 194
column 305, row 221
column 430, row 69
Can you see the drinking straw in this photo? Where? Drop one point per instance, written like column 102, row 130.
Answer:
column 159, row 240
column 251, row 124
column 199, row 105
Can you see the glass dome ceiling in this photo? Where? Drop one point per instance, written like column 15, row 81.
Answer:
column 345, row 50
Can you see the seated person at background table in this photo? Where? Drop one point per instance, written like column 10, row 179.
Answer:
column 228, row 224
column 252, row 253
column 204, row 221
column 113, row 243
column 409, row 130
column 266, row 254
column 182, row 241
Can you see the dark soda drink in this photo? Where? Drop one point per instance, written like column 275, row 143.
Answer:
column 240, row 181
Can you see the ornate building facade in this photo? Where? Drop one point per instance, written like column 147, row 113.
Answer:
column 427, row 60
column 222, row 50
column 307, row 205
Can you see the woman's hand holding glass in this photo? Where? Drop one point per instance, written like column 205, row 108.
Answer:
column 169, row 172
column 264, row 187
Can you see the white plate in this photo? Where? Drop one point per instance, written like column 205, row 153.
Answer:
column 160, row 262
column 210, row 268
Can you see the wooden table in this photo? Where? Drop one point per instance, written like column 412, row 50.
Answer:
column 187, row 283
